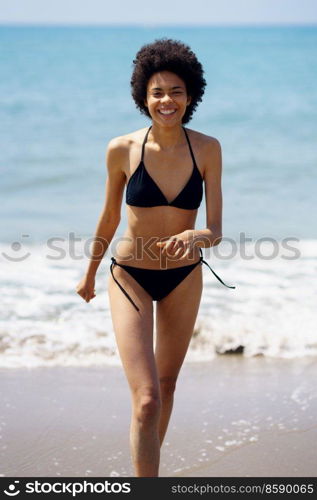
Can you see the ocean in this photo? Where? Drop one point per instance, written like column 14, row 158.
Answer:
column 64, row 93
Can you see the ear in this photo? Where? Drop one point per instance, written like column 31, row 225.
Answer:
column 145, row 102
column 189, row 100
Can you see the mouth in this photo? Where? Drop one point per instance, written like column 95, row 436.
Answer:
column 166, row 112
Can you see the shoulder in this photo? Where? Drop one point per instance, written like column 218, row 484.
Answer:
column 123, row 143
column 207, row 147
column 119, row 148
column 207, row 142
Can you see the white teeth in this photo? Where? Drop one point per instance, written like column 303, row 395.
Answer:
column 167, row 111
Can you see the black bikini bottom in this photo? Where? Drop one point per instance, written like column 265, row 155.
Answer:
column 159, row 282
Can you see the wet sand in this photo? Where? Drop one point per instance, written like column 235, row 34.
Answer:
column 232, row 416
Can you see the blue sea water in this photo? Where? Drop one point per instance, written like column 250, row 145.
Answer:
column 65, row 92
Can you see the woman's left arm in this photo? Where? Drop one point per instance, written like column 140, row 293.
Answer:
column 212, row 235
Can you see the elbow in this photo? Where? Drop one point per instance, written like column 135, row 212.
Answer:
column 216, row 235
column 217, row 240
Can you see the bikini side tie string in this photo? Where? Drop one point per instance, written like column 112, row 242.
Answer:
column 121, row 288
column 218, row 278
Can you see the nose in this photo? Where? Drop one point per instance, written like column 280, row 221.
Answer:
column 166, row 98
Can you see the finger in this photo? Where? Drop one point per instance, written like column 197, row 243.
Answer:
column 164, row 249
column 186, row 254
column 178, row 252
column 179, row 247
column 170, row 248
column 162, row 244
column 167, row 245
column 168, row 251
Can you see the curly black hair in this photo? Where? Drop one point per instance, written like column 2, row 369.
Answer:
column 167, row 55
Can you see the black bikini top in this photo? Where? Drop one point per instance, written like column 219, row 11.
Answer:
column 142, row 190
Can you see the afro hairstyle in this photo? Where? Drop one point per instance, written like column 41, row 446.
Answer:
column 167, row 55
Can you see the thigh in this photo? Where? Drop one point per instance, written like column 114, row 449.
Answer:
column 133, row 330
column 175, row 321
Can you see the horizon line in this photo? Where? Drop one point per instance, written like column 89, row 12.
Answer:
column 157, row 25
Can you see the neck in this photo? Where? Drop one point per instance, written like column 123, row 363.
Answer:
column 167, row 137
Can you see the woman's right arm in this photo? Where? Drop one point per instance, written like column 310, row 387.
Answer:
column 110, row 216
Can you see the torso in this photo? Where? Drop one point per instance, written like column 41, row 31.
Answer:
column 146, row 225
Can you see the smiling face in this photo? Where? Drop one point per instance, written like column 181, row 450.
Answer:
column 167, row 98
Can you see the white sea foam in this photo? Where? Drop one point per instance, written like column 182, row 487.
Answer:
column 45, row 322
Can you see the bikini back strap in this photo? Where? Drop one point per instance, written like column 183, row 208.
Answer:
column 121, row 288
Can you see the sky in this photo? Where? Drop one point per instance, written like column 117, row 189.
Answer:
column 158, row 12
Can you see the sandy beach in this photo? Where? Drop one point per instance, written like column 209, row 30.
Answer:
column 233, row 416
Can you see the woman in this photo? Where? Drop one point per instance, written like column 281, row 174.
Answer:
column 163, row 167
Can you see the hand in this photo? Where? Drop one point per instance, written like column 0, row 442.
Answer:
column 85, row 288
column 179, row 246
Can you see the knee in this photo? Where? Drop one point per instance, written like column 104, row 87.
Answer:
column 147, row 405
column 168, row 386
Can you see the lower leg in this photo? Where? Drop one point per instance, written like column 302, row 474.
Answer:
column 144, row 439
column 167, row 406
column 167, row 388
